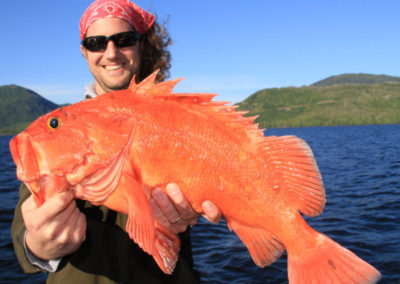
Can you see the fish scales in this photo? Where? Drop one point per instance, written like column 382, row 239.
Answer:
column 119, row 146
column 202, row 148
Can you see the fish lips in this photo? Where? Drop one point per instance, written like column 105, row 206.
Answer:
column 28, row 171
column 25, row 159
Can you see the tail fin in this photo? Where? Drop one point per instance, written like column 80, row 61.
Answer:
column 330, row 263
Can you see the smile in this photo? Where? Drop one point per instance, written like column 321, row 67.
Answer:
column 112, row 67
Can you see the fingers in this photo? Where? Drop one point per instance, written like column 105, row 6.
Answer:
column 75, row 231
column 69, row 231
column 54, row 229
column 182, row 205
column 211, row 212
column 162, row 219
column 166, row 213
column 59, row 221
column 173, row 210
column 49, row 209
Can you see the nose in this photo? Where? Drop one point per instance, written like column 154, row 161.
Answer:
column 111, row 50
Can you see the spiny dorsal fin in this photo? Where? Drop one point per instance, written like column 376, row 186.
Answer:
column 202, row 102
column 163, row 90
column 148, row 86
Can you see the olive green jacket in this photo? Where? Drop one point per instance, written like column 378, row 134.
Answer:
column 107, row 255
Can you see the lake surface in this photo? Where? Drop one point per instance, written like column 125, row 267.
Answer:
column 360, row 166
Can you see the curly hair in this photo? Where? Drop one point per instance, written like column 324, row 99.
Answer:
column 154, row 53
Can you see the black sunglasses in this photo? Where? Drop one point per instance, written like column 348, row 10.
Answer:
column 99, row 43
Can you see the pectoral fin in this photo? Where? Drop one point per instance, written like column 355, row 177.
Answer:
column 167, row 249
column 141, row 226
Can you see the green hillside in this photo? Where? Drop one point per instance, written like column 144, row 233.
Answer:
column 19, row 107
column 356, row 79
column 338, row 104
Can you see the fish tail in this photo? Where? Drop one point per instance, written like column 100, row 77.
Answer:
column 329, row 262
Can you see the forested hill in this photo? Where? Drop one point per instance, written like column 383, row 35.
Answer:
column 19, row 107
column 349, row 99
column 356, row 79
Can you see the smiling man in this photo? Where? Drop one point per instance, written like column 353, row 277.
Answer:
column 112, row 68
column 78, row 242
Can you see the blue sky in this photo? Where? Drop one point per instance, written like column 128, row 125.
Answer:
column 232, row 48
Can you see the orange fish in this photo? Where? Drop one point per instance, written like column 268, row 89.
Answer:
column 114, row 149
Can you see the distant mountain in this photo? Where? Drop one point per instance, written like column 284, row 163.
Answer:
column 19, row 107
column 333, row 103
column 356, row 79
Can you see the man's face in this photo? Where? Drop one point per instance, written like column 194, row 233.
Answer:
column 114, row 67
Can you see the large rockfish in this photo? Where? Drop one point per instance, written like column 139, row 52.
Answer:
column 114, row 149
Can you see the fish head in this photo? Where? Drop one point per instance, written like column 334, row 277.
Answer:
column 61, row 148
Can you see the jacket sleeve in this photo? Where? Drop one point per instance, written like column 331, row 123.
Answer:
column 18, row 233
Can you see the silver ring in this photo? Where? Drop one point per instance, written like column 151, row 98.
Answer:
column 175, row 220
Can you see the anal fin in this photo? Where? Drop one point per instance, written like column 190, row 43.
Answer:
column 264, row 247
column 167, row 245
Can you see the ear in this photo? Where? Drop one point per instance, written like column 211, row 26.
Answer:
column 84, row 51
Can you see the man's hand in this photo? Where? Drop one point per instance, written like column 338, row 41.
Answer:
column 175, row 212
column 56, row 228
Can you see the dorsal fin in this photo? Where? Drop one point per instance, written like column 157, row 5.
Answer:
column 148, row 86
column 202, row 102
column 295, row 173
column 163, row 90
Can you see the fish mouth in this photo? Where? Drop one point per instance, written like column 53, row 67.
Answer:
column 27, row 166
column 28, row 171
column 24, row 158
column 45, row 187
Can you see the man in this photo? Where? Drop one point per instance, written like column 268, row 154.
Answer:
column 74, row 240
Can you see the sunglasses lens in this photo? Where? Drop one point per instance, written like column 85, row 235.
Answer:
column 124, row 39
column 95, row 43
column 99, row 43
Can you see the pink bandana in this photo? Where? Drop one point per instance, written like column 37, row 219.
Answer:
column 138, row 18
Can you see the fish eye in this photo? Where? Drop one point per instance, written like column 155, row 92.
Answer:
column 53, row 123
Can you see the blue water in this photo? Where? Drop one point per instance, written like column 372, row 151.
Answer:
column 360, row 166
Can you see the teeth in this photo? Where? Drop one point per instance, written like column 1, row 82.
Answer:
column 113, row 67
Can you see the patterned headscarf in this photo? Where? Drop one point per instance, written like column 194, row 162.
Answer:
column 138, row 18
